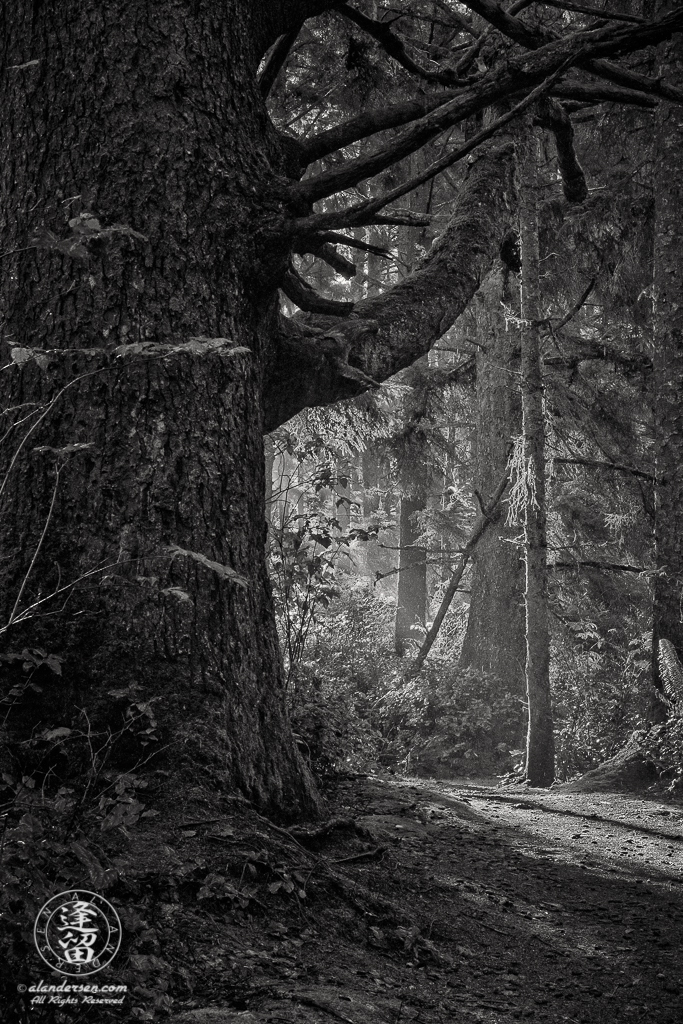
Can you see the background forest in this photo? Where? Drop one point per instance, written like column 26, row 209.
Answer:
column 547, row 386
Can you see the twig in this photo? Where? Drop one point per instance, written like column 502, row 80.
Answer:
column 37, row 550
column 481, row 525
column 366, row 855
column 309, row 1001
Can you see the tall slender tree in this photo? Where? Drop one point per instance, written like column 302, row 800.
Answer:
column 540, row 752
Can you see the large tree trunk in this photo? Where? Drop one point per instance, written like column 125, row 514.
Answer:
column 668, row 366
column 132, row 152
column 494, row 641
column 540, row 750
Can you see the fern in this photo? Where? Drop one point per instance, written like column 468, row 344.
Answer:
column 671, row 673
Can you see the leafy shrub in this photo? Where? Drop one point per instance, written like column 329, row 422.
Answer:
column 600, row 695
column 446, row 717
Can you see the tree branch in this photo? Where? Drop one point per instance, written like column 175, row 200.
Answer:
column 596, row 463
column 326, row 252
column 565, row 5
column 369, row 123
column 553, row 116
column 276, row 58
column 590, row 564
column 482, row 522
column 307, row 299
column 386, row 333
column 516, row 30
column 395, row 47
column 358, row 215
column 516, row 75
column 602, row 93
column 271, row 19
column 355, row 243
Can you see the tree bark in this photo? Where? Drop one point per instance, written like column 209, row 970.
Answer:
column 540, row 752
column 495, row 637
column 668, row 366
column 134, row 222
column 411, row 602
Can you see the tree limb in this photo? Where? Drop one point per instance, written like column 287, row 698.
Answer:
column 306, row 298
column 518, row 74
column 271, row 19
column 326, row 252
column 600, row 92
column 598, row 464
column 565, row 5
column 386, row 333
column 358, row 215
column 481, row 524
column 395, row 47
column 516, row 30
column 369, row 122
column 355, row 243
column 590, row 564
column 552, row 115
column 276, row 58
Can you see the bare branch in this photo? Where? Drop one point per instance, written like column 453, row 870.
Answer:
column 515, row 76
column 395, row 47
column 302, row 295
column 369, row 122
column 487, row 515
column 358, row 215
column 652, row 33
column 326, row 252
column 355, row 243
column 553, row 116
column 605, row 566
column 565, row 5
column 276, row 58
column 600, row 92
column 594, row 463
column 511, row 27
column 577, row 307
column 390, row 331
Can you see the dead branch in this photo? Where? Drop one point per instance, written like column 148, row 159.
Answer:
column 483, row 521
column 553, row 116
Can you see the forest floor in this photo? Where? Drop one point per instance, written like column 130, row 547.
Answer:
column 438, row 902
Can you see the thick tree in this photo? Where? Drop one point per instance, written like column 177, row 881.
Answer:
column 150, row 212
column 668, row 369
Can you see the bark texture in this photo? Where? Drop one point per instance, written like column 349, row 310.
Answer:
column 668, row 366
column 134, row 158
column 411, row 601
column 540, row 751
column 495, row 638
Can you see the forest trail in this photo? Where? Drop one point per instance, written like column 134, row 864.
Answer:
column 459, row 902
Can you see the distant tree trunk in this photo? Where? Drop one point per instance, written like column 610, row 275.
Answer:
column 269, row 450
column 494, row 640
column 540, row 754
column 668, row 365
column 412, row 578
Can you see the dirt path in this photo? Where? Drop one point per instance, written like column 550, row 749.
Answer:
column 460, row 902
